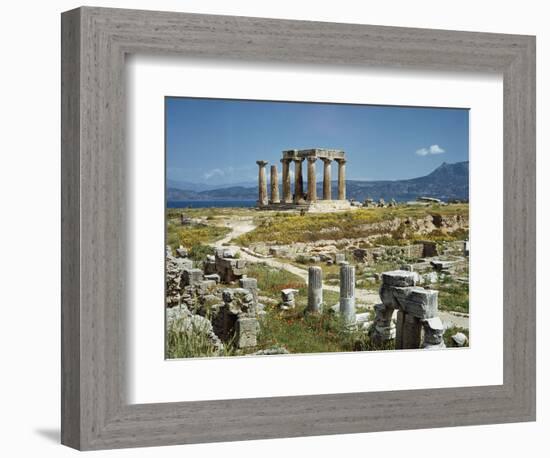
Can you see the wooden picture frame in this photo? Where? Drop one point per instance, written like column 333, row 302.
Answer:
column 95, row 413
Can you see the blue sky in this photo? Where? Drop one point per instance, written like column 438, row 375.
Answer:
column 213, row 141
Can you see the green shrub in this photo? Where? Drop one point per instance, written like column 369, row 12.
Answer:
column 198, row 252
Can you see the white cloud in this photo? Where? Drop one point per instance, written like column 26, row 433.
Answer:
column 214, row 173
column 433, row 149
column 231, row 174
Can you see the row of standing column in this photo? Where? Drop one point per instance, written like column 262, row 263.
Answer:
column 298, row 181
column 347, row 291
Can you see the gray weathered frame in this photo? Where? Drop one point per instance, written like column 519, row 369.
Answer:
column 95, row 41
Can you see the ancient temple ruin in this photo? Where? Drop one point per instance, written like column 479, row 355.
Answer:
column 296, row 197
column 418, row 324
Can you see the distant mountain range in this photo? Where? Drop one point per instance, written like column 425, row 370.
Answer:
column 446, row 182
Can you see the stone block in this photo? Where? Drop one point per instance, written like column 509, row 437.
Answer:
column 227, row 295
column 210, row 267
column 415, row 300
column 399, row 278
column 248, row 283
column 183, row 263
column 239, row 301
column 433, row 331
column 246, row 331
column 387, row 297
column 182, row 252
column 288, row 294
column 362, row 317
column 443, row 265
column 206, row 285
column 279, row 251
column 430, row 277
column 459, row 339
column 191, row 277
column 339, row 257
column 214, row 277
column 383, row 333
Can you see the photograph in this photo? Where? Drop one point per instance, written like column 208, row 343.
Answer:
column 299, row 227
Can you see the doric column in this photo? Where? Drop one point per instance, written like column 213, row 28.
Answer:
column 311, row 180
column 327, row 184
column 262, row 183
column 298, row 180
column 274, row 180
column 411, row 336
column 287, row 193
column 341, row 179
column 315, row 290
column 347, row 293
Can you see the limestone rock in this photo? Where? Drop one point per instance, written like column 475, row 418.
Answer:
column 214, row 277
column 191, row 277
column 442, row 265
column 246, row 331
column 433, row 332
column 417, row 301
column 399, row 278
column 459, row 339
column 362, row 317
column 430, row 277
column 273, row 351
column 182, row 252
column 248, row 283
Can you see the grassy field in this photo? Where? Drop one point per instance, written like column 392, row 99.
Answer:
column 193, row 235
column 287, row 228
column 210, row 213
column 454, row 296
column 295, row 330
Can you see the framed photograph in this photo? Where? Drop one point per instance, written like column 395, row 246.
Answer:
column 279, row 228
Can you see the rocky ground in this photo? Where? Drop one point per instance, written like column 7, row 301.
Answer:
column 446, row 268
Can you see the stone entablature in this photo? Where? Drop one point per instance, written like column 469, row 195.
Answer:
column 319, row 153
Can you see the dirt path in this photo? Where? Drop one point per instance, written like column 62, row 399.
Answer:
column 238, row 227
column 365, row 297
